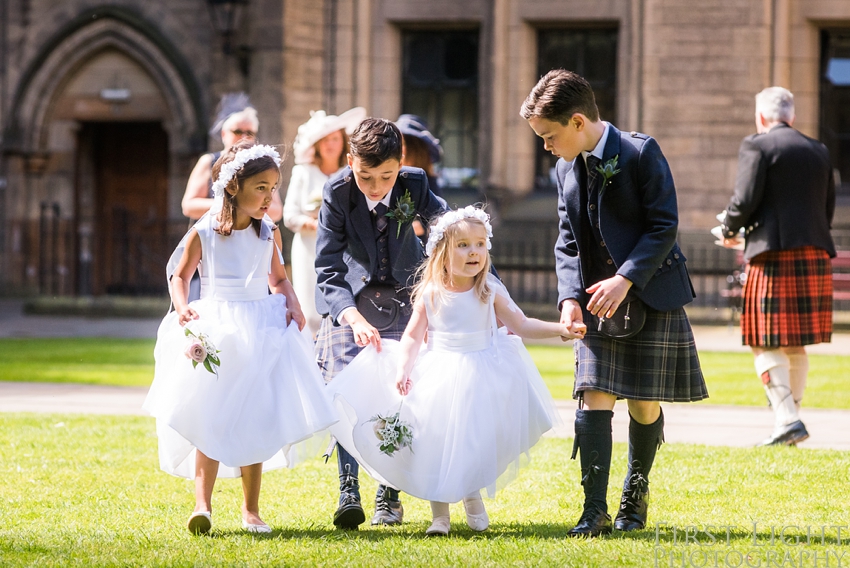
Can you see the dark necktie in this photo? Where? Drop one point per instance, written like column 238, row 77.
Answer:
column 381, row 220
column 592, row 173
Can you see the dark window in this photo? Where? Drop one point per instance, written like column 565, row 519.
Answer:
column 835, row 103
column 590, row 52
column 440, row 84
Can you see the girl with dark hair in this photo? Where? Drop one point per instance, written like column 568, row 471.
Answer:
column 245, row 389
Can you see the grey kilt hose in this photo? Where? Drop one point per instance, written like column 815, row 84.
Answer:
column 335, row 346
column 659, row 363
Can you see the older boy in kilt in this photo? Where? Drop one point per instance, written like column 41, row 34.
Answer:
column 366, row 256
column 618, row 226
column 784, row 200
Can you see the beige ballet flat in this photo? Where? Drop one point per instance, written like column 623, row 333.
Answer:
column 479, row 522
column 199, row 523
column 262, row 528
column 439, row 527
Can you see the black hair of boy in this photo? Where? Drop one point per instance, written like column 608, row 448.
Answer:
column 374, row 141
column 558, row 96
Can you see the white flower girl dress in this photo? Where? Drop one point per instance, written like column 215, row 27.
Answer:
column 478, row 404
column 268, row 393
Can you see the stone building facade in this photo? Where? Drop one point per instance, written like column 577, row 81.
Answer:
column 105, row 105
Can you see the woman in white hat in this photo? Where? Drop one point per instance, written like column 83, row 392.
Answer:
column 319, row 148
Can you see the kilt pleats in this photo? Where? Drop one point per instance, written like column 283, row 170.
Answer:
column 787, row 299
column 659, row 363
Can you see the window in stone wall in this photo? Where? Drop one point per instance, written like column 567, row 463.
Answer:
column 590, row 52
column 440, row 84
column 835, row 103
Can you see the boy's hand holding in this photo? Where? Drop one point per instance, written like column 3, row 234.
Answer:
column 571, row 317
column 575, row 330
column 364, row 332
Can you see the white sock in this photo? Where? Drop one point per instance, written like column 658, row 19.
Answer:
column 439, row 509
column 799, row 372
column 776, row 364
column 473, row 504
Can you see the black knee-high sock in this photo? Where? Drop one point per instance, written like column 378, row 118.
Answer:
column 593, row 441
column 644, row 441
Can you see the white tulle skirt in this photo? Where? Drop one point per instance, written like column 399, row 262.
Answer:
column 475, row 415
column 267, row 397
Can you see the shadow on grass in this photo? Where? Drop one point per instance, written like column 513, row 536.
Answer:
column 410, row 531
column 540, row 531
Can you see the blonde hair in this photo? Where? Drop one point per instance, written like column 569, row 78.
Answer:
column 435, row 275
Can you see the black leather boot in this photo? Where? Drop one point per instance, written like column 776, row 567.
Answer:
column 388, row 509
column 349, row 514
column 644, row 441
column 593, row 442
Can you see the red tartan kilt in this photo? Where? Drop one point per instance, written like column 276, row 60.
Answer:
column 788, row 299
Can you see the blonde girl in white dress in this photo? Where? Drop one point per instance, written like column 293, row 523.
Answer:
column 471, row 395
column 319, row 148
column 251, row 389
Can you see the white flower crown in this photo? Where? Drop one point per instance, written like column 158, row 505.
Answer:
column 242, row 157
column 438, row 230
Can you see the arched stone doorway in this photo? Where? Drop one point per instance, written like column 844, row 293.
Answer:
column 107, row 124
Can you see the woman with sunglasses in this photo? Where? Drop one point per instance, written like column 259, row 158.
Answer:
column 236, row 120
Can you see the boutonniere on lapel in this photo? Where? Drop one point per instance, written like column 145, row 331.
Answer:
column 403, row 212
column 608, row 170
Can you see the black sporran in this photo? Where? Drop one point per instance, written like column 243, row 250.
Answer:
column 382, row 305
column 626, row 322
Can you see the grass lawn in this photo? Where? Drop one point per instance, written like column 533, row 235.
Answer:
column 129, row 362
column 96, row 361
column 86, row 491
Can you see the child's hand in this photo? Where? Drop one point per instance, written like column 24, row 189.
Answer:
column 403, row 384
column 297, row 315
column 571, row 318
column 575, row 330
column 186, row 314
column 364, row 332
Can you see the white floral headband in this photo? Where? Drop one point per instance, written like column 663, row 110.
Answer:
column 438, row 231
column 242, row 157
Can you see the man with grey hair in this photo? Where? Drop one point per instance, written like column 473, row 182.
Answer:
column 775, row 104
column 784, row 200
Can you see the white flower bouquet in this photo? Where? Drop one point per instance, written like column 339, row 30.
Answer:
column 202, row 350
column 393, row 433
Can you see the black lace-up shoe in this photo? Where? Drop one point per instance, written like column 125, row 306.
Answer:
column 350, row 513
column 633, row 505
column 388, row 511
column 788, row 436
column 592, row 523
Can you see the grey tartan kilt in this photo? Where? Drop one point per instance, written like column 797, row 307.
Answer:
column 335, row 346
column 659, row 363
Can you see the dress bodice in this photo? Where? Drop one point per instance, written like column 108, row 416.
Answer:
column 463, row 322
column 234, row 267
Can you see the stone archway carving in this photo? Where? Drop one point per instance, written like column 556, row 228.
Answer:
column 32, row 105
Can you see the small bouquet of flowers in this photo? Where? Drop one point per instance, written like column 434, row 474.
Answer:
column 393, row 432
column 201, row 350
